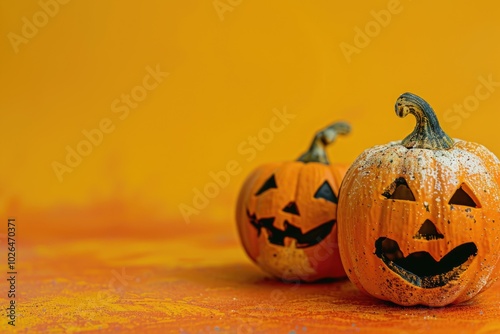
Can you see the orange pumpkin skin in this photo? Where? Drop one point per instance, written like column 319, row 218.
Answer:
column 286, row 218
column 421, row 248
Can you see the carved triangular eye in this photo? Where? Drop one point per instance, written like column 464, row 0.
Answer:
column 464, row 196
column 269, row 184
column 399, row 190
column 325, row 191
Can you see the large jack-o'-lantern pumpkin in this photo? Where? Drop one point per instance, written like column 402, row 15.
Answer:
column 419, row 220
column 286, row 214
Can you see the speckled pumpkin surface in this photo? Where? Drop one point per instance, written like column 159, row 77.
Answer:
column 419, row 219
column 203, row 282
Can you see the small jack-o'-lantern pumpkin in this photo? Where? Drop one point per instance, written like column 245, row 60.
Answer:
column 419, row 220
column 286, row 214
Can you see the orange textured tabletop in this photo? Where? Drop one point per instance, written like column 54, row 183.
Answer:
column 129, row 129
column 202, row 282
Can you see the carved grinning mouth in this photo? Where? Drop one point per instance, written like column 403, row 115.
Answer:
column 420, row 268
column 277, row 236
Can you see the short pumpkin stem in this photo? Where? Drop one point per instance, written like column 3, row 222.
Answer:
column 427, row 133
column 323, row 138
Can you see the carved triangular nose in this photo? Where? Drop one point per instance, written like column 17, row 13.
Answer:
column 428, row 231
column 292, row 208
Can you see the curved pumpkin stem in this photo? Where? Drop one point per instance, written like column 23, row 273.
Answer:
column 323, row 138
column 427, row 133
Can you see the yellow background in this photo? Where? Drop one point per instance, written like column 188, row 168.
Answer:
column 228, row 70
